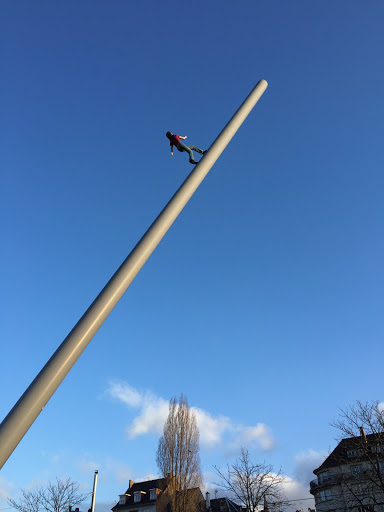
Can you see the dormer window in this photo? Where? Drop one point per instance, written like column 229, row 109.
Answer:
column 123, row 499
column 152, row 494
column 353, row 453
column 137, row 497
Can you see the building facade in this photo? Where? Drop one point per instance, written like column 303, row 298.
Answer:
column 352, row 477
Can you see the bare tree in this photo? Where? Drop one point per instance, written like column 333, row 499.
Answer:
column 55, row 497
column 251, row 483
column 178, row 456
column 361, row 426
column 369, row 415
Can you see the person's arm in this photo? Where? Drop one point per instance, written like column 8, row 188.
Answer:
column 182, row 137
column 172, row 149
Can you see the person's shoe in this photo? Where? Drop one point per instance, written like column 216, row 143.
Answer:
column 193, row 162
column 205, row 152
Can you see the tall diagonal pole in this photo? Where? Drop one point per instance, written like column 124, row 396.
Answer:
column 23, row 414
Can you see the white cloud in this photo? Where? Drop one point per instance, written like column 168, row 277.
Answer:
column 211, row 429
column 214, row 430
column 151, row 419
column 127, row 394
column 209, row 485
column 153, row 410
column 296, row 489
column 260, row 433
column 306, row 462
column 297, row 494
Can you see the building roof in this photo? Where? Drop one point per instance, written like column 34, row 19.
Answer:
column 224, row 505
column 144, row 487
column 340, row 456
column 158, row 483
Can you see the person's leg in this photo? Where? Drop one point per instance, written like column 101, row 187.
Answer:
column 198, row 150
column 181, row 146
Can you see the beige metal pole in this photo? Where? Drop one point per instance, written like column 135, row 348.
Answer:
column 34, row 399
column 94, row 491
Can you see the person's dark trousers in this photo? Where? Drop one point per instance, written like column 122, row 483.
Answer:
column 182, row 147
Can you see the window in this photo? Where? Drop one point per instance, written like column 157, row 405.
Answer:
column 324, row 477
column 366, row 508
column 381, row 467
column 377, row 449
column 123, row 499
column 357, row 470
column 354, row 453
column 152, row 494
column 325, row 495
column 137, row 496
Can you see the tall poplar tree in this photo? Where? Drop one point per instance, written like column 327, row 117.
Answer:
column 178, row 456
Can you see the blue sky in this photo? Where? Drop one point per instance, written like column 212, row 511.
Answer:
column 263, row 304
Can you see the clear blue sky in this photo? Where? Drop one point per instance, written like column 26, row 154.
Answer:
column 264, row 302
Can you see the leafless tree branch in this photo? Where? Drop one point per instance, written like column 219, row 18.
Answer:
column 55, row 497
column 251, row 483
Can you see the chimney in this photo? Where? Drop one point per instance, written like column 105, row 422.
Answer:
column 207, row 501
column 131, row 482
column 362, row 432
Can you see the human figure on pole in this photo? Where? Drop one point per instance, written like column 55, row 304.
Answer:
column 174, row 140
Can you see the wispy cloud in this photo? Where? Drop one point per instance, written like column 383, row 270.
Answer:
column 86, row 465
column 5, row 488
column 109, row 468
column 214, row 430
